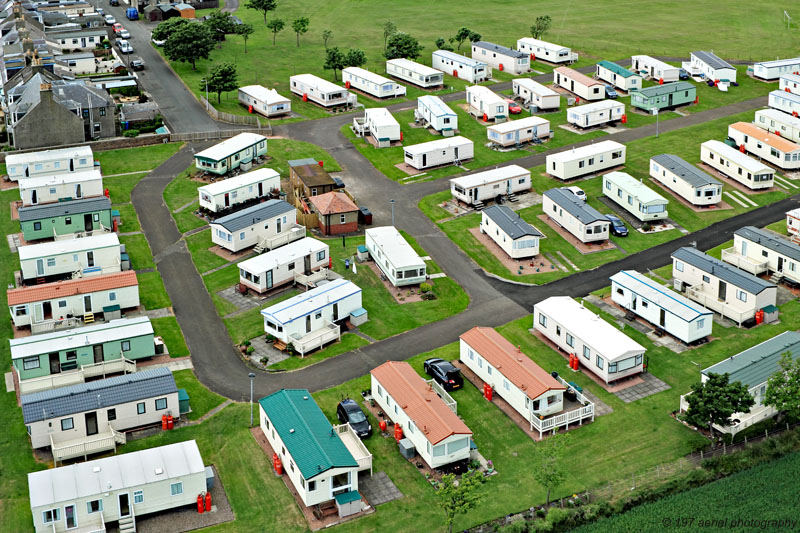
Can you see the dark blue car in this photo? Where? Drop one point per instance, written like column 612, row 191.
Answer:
column 617, row 226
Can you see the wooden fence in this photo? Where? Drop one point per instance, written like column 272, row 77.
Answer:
column 241, row 120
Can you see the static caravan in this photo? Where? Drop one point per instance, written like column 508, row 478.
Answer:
column 760, row 251
column 72, row 217
column 49, row 162
column 664, row 96
column 709, row 66
column 580, row 84
column 634, row 196
column 685, row 180
column 736, row 165
column 500, row 57
column 470, row 70
column 524, row 130
column 116, row 489
column 310, row 319
column 543, row 50
column 662, row 307
column 319, row 91
column 449, row 151
column 768, row 147
column 371, row 83
column 583, row 221
column 267, row 226
column 279, row 266
column 435, row 112
column 789, row 83
column 416, row 73
column 650, row 67
column 779, row 123
column 793, row 221
column 44, row 306
column 786, row 102
column 45, row 189
column 395, row 257
column 516, row 237
column 535, row 94
column 618, row 76
column 230, row 154
column 425, row 412
column 488, row 185
column 596, row 113
column 720, row 287
column 772, row 70
column 267, row 102
column 382, row 126
column 601, row 347
column 88, row 256
column 587, row 159
column 248, row 187
column 483, row 102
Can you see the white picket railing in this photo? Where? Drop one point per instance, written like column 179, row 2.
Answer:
column 564, row 419
column 354, row 445
column 310, row 279
column 446, row 398
column 316, row 339
column 47, row 326
column 730, row 255
column 83, row 448
column 714, row 304
column 296, row 232
column 77, row 376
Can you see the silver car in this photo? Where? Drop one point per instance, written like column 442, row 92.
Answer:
column 124, row 46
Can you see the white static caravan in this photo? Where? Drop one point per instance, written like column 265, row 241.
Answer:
column 489, row 184
column 634, row 196
column 382, row 126
column 709, row 66
column 685, row 180
column 516, row 237
column 618, row 76
column 230, row 154
column 484, row 102
column 87, row 256
column 266, row 225
column 500, row 57
column 279, row 266
column 519, row 131
column 395, row 257
column 227, row 193
column 587, row 88
column 789, row 83
column 470, row 70
column 116, row 489
column 786, row 102
column 45, row 189
column 667, row 310
column 319, row 91
column 766, row 146
column 49, row 162
column 757, row 251
column 587, row 159
column 580, row 219
column 779, row 123
column 371, row 83
column 535, row 94
column 450, row 151
column 435, row 112
column 650, row 67
column 554, row 53
column 596, row 113
column 772, row 70
column 264, row 101
column 793, row 221
column 416, row 73
column 600, row 347
column 425, row 412
column 736, row 165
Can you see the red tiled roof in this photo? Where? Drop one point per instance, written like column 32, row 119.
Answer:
column 517, row 367
column 419, row 401
column 775, row 141
column 332, row 203
column 60, row 289
column 577, row 76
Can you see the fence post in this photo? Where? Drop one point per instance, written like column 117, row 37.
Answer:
column 745, row 441
column 723, row 448
column 766, row 434
column 701, row 456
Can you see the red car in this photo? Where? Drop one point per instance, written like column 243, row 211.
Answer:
column 513, row 107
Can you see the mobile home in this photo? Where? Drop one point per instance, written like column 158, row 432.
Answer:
column 535, row 94
column 709, row 66
column 766, row 146
column 524, row 130
column 319, row 91
column 395, row 257
column 587, row 88
column 230, row 154
column 510, row 232
column 736, row 165
column 793, row 221
column 267, row 102
column 618, row 76
column 662, row 307
column 587, row 159
column 45, row 189
column 596, row 113
column 371, row 83
column 543, row 50
column 600, row 347
column 650, row 67
column 685, row 180
column 49, row 162
column 580, row 219
column 500, row 57
column 381, row 126
column 772, row 70
column 435, row 112
column 786, row 102
column 664, row 96
column 483, row 102
column 99, row 254
column 72, row 217
column 267, row 226
column 779, row 123
column 789, row 83
column 449, row 151
column 634, row 196
column 487, row 185
column 279, row 266
column 416, row 73
column 470, row 70
column 760, row 251
column 248, row 187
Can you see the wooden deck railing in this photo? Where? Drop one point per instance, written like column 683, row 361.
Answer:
column 316, row 339
column 730, row 255
column 77, row 376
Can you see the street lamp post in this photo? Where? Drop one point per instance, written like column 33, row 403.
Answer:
column 206, row 82
column 655, row 112
column 252, row 377
column 392, row 202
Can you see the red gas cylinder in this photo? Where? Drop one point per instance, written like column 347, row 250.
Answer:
column 501, row 67
column 305, row 97
column 164, row 422
column 455, row 73
column 382, row 425
column 321, row 163
column 170, row 422
column 759, row 316
column 787, row 89
column 485, row 118
column 208, row 501
column 276, row 462
column 398, row 432
column 696, row 99
column 401, row 136
column 249, row 109
column 577, row 101
column 200, row 506
column 107, row 193
column 624, row 119
column 577, row 363
column 347, row 84
column 661, row 81
column 485, row 390
column 115, row 226
column 742, row 148
column 794, row 114
column 489, row 393
column 533, row 57
column 778, row 133
column 330, row 262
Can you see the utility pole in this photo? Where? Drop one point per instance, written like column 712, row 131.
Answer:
column 252, row 377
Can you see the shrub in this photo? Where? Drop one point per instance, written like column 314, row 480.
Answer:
column 250, row 349
column 557, row 516
column 425, row 287
column 131, row 133
column 647, row 226
column 517, row 527
column 264, row 360
column 428, row 296
column 270, row 337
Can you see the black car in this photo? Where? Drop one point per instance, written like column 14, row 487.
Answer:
column 617, row 226
column 337, row 182
column 348, row 412
column 683, row 75
column 447, row 375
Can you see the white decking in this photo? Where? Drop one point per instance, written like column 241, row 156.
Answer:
column 732, row 256
column 356, row 448
column 446, row 398
column 713, row 303
column 85, row 446
column 48, row 326
column 316, row 339
column 76, row 376
column 553, row 422
column 296, row 232
column 310, row 280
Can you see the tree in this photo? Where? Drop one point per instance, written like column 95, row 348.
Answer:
column 188, row 43
column 220, row 23
column 389, row 29
column 783, row 387
column 355, row 57
column 334, row 60
column 265, row 6
column 300, row 26
column 459, row 499
column 714, row 401
column 402, row 44
column 327, row 35
column 275, row 26
column 245, row 30
column 465, row 34
column 222, row 78
column 441, row 44
column 548, row 468
column 541, row 25
column 166, row 28
column 474, row 37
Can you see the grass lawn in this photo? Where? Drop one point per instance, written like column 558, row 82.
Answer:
column 186, row 220
column 152, row 293
column 138, row 250
column 139, row 159
column 198, row 245
column 120, row 187
column 216, row 281
column 350, row 341
column 168, row 329
column 250, row 324
column 129, row 222
column 201, row 400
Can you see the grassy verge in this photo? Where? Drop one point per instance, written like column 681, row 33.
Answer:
column 138, row 251
column 120, row 187
column 198, row 245
column 250, row 324
column 349, row 342
column 201, row 400
column 139, row 159
column 170, row 332
column 152, row 293
column 129, row 222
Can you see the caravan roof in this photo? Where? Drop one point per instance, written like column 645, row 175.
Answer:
column 230, row 146
column 779, row 116
column 253, row 214
column 500, row 49
column 419, row 68
column 744, row 161
column 690, row 173
column 306, row 303
column 324, row 86
column 576, row 207
column 48, row 180
column 664, row 298
column 755, row 365
column 601, row 105
column 577, row 76
column 779, row 63
column 535, row 87
column 616, row 69
column 630, row 184
column 71, row 287
column 439, row 144
column 371, row 77
column 510, row 222
column 770, row 241
column 520, row 124
column 585, row 151
column 436, row 105
column 259, row 92
column 395, row 246
column 486, row 94
column 722, row 270
column 542, row 44
column 712, row 60
column 490, row 176
column 452, row 56
column 242, row 180
column 770, row 139
column 380, row 116
column 95, row 242
column 49, row 155
column 283, row 255
column 59, row 209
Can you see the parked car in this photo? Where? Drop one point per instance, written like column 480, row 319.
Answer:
column 444, row 373
column 513, row 107
column 124, row 34
column 100, row 11
column 157, row 42
column 610, row 92
column 113, row 2
column 137, row 63
column 337, row 182
column 617, row 227
column 124, row 46
column 109, row 19
column 682, row 74
column 577, row 191
column 132, row 13
column 348, row 412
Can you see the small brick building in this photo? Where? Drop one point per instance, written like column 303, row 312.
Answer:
column 336, row 212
